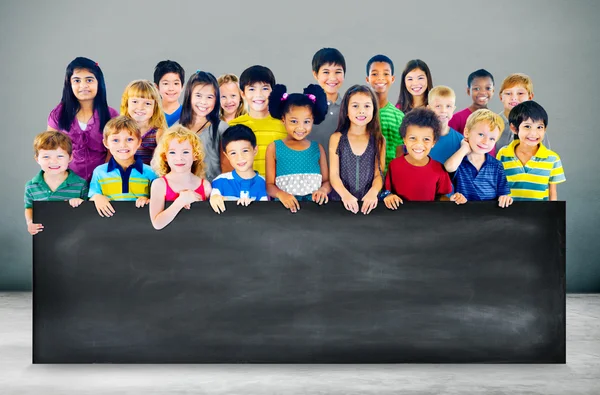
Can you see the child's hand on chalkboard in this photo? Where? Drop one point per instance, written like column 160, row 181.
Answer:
column 34, row 229
column 369, row 202
column 392, row 201
column 319, row 197
column 187, row 197
column 351, row 203
column 458, row 198
column 75, row 202
column 141, row 202
column 217, row 203
column 244, row 201
column 103, row 206
column 505, row 201
column 289, row 201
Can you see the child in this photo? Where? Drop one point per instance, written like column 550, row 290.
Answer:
column 243, row 184
column 124, row 177
column 168, row 78
column 200, row 114
column 82, row 115
column 532, row 170
column 256, row 83
column 441, row 101
column 515, row 89
column 179, row 164
column 415, row 176
column 414, row 86
column 380, row 75
column 55, row 182
column 232, row 105
column 141, row 101
column 357, row 177
column 477, row 174
column 297, row 167
column 480, row 86
column 329, row 70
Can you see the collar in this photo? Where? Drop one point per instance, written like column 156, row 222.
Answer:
column 137, row 165
column 542, row 151
column 71, row 177
column 237, row 177
column 486, row 160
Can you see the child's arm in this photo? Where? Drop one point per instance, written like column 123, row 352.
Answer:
column 103, row 206
column 158, row 215
column 350, row 202
column 288, row 200
column 320, row 195
column 456, row 159
column 32, row 228
column 552, row 192
column 370, row 199
column 76, row 202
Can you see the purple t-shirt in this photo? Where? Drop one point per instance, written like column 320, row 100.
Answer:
column 88, row 149
column 459, row 120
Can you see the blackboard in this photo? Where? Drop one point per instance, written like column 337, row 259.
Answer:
column 429, row 283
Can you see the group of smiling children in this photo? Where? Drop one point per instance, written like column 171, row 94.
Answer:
column 249, row 139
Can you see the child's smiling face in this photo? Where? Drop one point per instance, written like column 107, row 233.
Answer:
column 360, row 109
column 330, row 77
column 241, row 155
column 481, row 138
column 481, row 91
column 203, row 100
column 298, row 122
column 419, row 141
column 180, row 156
column 380, row 77
column 257, row 96
column 140, row 109
column 517, row 94
column 416, row 82
column 230, row 98
column 84, row 84
column 122, row 145
column 170, row 87
column 443, row 107
column 53, row 161
column 531, row 133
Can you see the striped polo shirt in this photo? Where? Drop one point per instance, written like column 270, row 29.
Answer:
column 71, row 188
column 487, row 183
column 116, row 183
column 530, row 182
column 390, row 119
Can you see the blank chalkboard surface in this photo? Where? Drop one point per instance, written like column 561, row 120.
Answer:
column 431, row 282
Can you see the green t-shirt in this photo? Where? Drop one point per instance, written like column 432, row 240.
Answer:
column 390, row 118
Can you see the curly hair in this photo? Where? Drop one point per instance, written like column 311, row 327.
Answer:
column 159, row 161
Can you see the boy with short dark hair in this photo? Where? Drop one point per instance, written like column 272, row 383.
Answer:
column 243, row 184
column 480, row 86
column 415, row 176
column 168, row 78
column 256, row 84
column 55, row 181
column 123, row 178
column 380, row 75
column 329, row 69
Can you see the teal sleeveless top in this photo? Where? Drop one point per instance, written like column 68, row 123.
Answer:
column 298, row 172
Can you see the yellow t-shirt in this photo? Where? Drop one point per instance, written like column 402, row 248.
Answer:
column 266, row 130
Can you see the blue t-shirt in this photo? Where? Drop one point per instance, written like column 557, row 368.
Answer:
column 446, row 146
column 489, row 183
column 232, row 187
column 174, row 117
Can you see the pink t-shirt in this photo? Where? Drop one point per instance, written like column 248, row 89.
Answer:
column 459, row 120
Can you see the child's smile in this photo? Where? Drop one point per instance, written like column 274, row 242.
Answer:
column 203, row 100
column 360, row 109
column 416, row 82
column 140, row 109
column 257, row 95
column 418, row 141
column 53, row 161
column 298, row 122
column 481, row 139
column 122, row 145
column 180, row 157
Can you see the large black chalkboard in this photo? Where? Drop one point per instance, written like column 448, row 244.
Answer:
column 431, row 282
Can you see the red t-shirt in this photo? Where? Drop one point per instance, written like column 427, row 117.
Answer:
column 417, row 183
column 459, row 120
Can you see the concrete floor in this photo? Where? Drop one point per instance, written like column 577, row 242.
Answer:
column 581, row 374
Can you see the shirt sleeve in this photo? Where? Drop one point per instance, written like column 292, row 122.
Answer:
column 28, row 197
column 388, row 178
column 53, row 117
column 95, row 188
column 502, row 187
column 556, row 174
column 216, row 185
column 84, row 191
column 149, row 173
column 444, row 186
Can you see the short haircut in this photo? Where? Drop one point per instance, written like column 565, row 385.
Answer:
column 527, row 110
column 328, row 56
column 168, row 66
column 422, row 117
column 380, row 59
column 517, row 79
column 441, row 91
column 117, row 124
column 254, row 74
column 52, row 140
column 238, row 133
column 489, row 117
column 481, row 73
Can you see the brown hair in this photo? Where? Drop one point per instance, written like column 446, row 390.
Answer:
column 52, row 140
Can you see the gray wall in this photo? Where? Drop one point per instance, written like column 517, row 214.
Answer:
column 555, row 42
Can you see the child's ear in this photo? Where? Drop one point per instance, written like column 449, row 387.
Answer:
column 367, row 79
column 468, row 91
column 256, row 150
column 315, row 75
column 531, row 96
column 70, row 158
column 104, row 143
column 514, row 130
column 393, row 79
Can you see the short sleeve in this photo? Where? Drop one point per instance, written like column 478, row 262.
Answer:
column 84, row 191
column 149, row 173
column 444, row 186
column 95, row 188
column 28, row 197
column 557, row 174
column 216, row 188
column 113, row 113
column 502, row 187
column 53, row 117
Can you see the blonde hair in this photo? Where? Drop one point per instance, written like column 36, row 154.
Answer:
column 159, row 161
column 517, row 79
column 122, row 122
column 484, row 115
column 52, row 140
column 145, row 89
column 225, row 79
column 441, row 91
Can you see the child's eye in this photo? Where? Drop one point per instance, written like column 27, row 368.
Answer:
column 293, row 121
column 130, row 139
column 489, row 88
column 480, row 134
column 148, row 104
column 186, row 152
column 251, row 89
column 492, row 139
column 339, row 72
column 90, row 80
column 171, row 152
column 246, row 151
column 326, row 72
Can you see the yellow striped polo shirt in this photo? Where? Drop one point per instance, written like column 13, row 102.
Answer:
column 531, row 181
column 116, row 183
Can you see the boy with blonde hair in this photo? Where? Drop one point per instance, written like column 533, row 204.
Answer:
column 478, row 175
column 516, row 88
column 55, row 181
column 123, row 178
column 442, row 101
